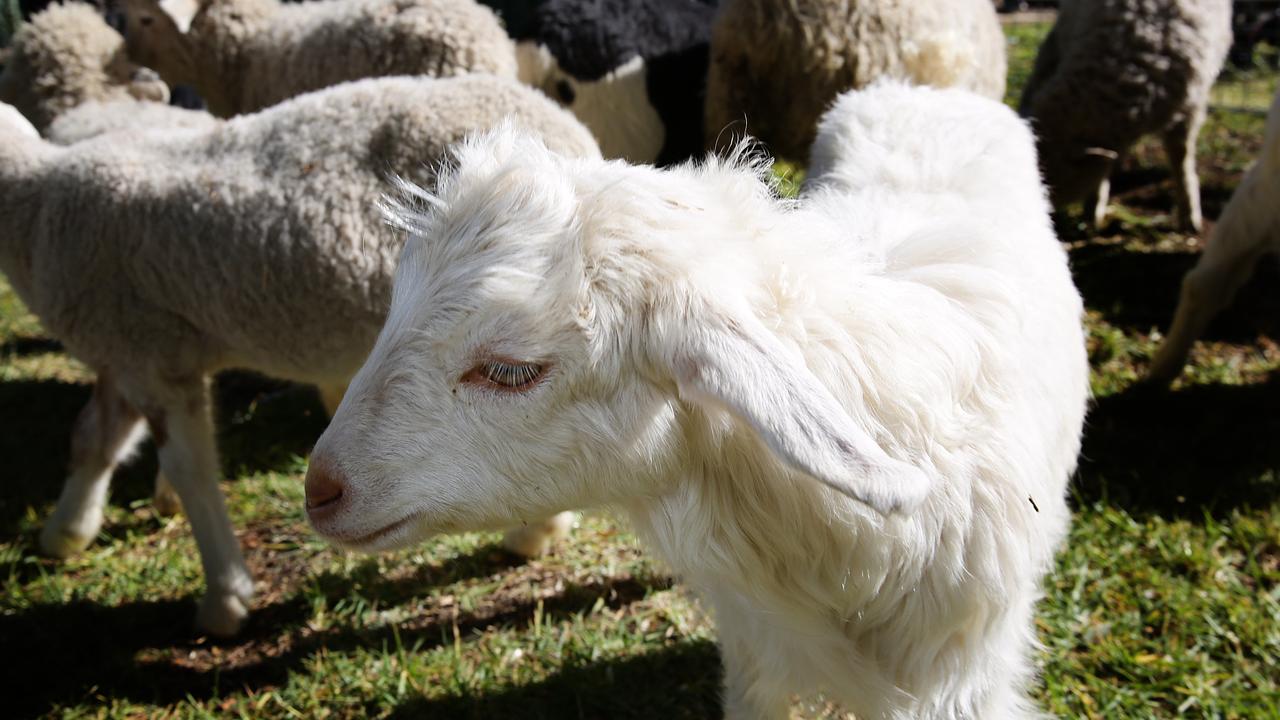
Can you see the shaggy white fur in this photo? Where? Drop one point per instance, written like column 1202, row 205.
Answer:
column 1248, row 229
column 849, row 423
column 777, row 65
column 254, row 243
column 1112, row 71
column 245, row 55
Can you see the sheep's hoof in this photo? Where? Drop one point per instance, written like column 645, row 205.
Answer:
column 222, row 614
column 61, row 542
column 1164, row 369
column 166, row 502
column 532, row 540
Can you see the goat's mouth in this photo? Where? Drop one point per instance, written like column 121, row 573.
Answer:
column 387, row 537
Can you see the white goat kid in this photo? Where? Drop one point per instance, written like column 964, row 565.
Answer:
column 688, row 348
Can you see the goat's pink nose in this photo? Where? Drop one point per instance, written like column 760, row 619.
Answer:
column 325, row 486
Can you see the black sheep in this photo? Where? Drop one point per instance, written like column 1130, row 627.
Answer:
column 634, row 71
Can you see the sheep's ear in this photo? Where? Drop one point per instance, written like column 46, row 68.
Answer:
column 735, row 363
column 533, row 63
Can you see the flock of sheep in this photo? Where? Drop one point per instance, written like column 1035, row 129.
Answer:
column 847, row 419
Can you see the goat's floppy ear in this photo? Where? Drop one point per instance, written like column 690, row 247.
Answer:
column 735, row 363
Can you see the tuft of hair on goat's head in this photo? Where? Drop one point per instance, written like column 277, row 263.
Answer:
column 555, row 325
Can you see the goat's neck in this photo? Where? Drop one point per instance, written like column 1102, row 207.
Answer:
column 735, row 513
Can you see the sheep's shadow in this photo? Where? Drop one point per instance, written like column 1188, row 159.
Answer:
column 676, row 682
column 29, row 345
column 263, row 425
column 147, row 652
column 1201, row 449
column 1137, row 291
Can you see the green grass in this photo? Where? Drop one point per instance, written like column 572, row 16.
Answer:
column 1165, row 603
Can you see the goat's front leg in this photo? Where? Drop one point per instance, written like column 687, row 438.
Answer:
column 533, row 539
column 105, row 433
column 182, row 427
column 748, row 695
column 1180, row 145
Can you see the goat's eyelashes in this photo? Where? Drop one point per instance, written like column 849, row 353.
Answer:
column 504, row 375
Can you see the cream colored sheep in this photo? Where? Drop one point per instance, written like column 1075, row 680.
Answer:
column 254, row 243
column 777, row 65
column 67, row 55
column 245, row 55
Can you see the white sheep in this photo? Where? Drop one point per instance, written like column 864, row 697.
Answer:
column 67, row 55
column 255, row 243
column 245, row 55
column 1112, row 71
column 848, row 423
column 1248, row 229
column 776, row 65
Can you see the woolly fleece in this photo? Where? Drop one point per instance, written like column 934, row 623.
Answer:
column 777, row 65
column 245, row 55
column 97, row 118
column 67, row 55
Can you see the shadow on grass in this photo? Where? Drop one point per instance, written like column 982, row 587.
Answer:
column 144, row 651
column 1137, row 291
column 23, row 346
column 263, row 425
column 676, row 682
column 1202, row 449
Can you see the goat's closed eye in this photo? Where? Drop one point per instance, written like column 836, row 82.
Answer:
column 505, row 375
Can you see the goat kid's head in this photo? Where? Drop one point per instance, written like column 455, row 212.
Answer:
column 554, row 325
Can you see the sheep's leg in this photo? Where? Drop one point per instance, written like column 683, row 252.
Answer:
column 1180, row 146
column 105, row 432
column 165, row 500
column 331, row 397
column 1209, row 287
column 1095, row 205
column 533, row 539
column 183, row 430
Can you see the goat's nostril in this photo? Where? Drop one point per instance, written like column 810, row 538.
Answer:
column 324, row 486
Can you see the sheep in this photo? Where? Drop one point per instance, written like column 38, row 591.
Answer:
column 254, row 244
column 96, row 118
column 776, row 65
column 848, row 423
column 1248, row 228
column 67, row 55
column 633, row 71
column 245, row 55
column 1111, row 71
